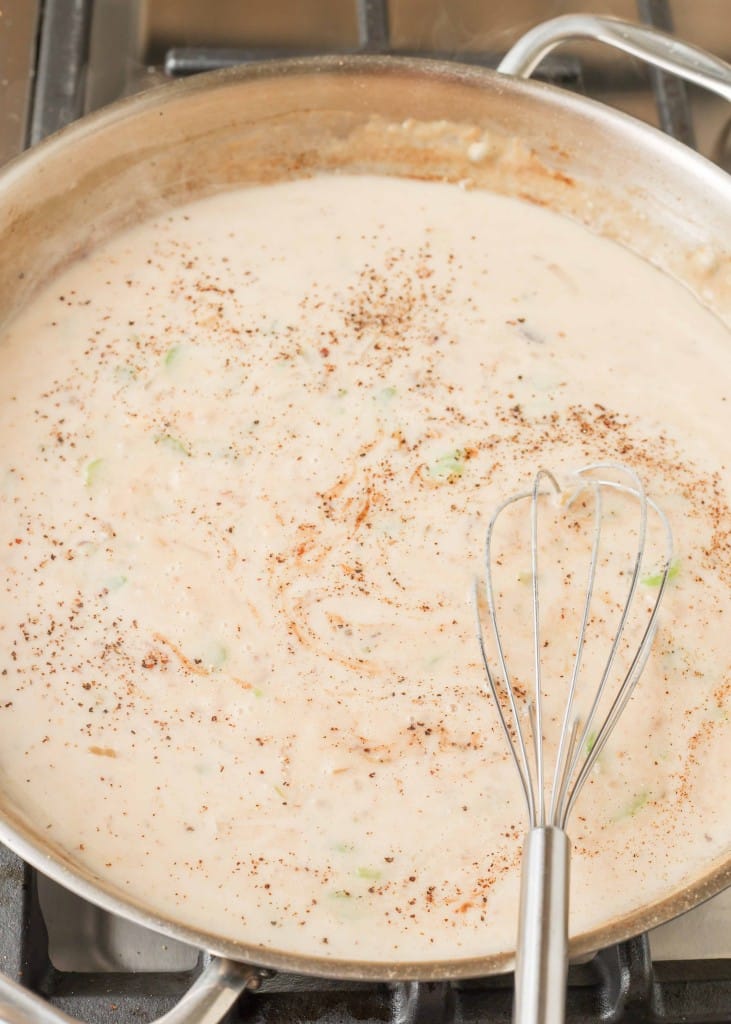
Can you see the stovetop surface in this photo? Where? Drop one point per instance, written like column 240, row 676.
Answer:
column 621, row 983
column 63, row 58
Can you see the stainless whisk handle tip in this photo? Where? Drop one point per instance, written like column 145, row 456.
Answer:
column 542, row 951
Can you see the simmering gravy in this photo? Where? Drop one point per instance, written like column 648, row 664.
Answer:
column 249, row 450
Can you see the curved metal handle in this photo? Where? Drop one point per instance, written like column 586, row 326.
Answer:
column 214, row 991
column 689, row 62
column 542, row 961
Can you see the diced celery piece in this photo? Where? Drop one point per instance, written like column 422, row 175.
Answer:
column 636, row 804
column 371, row 874
column 173, row 356
column 655, row 579
column 173, row 443
column 115, row 582
column 385, row 395
column 93, row 472
column 125, row 373
column 447, row 466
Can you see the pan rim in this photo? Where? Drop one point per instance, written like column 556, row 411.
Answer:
column 20, row 838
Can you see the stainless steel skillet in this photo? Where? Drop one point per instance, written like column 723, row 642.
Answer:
column 256, row 124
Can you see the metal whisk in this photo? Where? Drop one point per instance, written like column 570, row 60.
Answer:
column 542, row 949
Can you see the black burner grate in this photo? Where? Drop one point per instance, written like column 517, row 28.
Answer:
column 58, row 92
column 373, row 38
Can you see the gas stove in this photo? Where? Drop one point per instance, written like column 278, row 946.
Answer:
column 63, row 58
column 103, row 969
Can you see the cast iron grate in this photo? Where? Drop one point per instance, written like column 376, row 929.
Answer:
column 64, row 41
column 670, row 93
column 373, row 38
column 619, row 986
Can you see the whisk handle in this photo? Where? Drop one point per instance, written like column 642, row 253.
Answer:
column 542, row 951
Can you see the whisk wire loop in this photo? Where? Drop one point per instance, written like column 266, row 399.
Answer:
column 624, row 693
column 580, row 741
column 517, row 744
column 537, row 705
column 566, row 755
column 517, row 748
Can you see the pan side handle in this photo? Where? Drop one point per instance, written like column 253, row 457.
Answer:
column 214, row 991
column 649, row 44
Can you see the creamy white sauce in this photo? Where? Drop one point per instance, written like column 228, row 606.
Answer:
column 249, row 451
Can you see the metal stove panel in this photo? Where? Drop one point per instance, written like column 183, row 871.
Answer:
column 95, row 964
